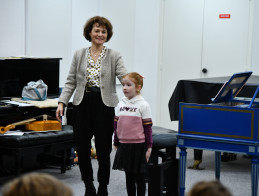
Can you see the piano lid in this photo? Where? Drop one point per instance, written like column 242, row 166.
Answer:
column 232, row 87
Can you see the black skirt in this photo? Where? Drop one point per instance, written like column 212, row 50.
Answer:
column 131, row 158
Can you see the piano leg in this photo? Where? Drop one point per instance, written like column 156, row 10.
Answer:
column 254, row 175
column 217, row 164
column 183, row 155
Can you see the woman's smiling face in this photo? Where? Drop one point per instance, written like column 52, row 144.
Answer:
column 98, row 34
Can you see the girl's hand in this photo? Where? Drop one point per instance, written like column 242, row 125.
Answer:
column 115, row 147
column 148, row 153
column 59, row 111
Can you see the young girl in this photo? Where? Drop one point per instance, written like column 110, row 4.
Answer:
column 133, row 134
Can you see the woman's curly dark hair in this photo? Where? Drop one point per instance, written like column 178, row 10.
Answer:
column 102, row 22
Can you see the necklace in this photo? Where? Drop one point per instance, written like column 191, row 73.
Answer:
column 95, row 53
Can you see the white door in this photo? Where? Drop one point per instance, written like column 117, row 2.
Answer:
column 226, row 37
column 194, row 37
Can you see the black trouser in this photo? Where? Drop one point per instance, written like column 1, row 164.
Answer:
column 133, row 179
column 198, row 154
column 93, row 118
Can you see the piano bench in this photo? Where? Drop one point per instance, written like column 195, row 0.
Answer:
column 39, row 142
column 163, row 175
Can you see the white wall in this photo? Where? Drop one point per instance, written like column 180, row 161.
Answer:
column 48, row 31
column 146, row 48
column 55, row 29
column 255, row 42
column 181, row 50
column 123, row 27
column 81, row 11
column 12, row 23
column 136, row 36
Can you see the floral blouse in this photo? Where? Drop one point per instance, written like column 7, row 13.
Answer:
column 94, row 69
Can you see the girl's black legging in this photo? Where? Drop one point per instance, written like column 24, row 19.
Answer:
column 133, row 179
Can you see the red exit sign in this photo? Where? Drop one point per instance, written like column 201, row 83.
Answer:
column 224, row 16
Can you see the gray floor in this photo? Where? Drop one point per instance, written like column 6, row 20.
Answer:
column 235, row 175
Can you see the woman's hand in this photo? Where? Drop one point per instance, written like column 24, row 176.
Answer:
column 148, row 153
column 59, row 112
column 115, row 147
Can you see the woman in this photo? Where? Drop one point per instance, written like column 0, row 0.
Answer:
column 93, row 78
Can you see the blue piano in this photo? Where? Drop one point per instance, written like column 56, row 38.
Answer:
column 229, row 124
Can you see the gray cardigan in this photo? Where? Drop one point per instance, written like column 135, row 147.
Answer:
column 112, row 66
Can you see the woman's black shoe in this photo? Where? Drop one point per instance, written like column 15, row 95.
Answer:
column 102, row 190
column 90, row 189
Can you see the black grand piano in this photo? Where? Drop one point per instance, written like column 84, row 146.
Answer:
column 228, row 124
column 15, row 74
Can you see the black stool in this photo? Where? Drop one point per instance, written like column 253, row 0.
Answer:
column 163, row 177
column 38, row 142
